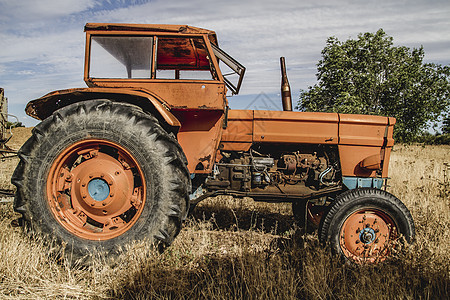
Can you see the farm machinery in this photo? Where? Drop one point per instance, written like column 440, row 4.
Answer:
column 5, row 135
column 152, row 135
column 5, row 127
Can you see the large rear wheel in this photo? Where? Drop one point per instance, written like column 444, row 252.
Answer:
column 98, row 174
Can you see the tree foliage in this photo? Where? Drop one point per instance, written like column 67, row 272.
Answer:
column 14, row 124
column 446, row 125
column 370, row 75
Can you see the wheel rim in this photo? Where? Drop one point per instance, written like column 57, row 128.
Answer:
column 96, row 189
column 367, row 235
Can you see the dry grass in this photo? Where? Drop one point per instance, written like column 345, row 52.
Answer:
column 235, row 249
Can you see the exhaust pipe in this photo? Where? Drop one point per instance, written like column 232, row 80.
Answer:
column 285, row 88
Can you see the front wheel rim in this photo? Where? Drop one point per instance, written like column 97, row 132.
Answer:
column 96, row 189
column 367, row 236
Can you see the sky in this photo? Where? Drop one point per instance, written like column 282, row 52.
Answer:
column 42, row 42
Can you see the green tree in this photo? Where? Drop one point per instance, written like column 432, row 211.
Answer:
column 14, row 124
column 370, row 75
column 446, row 126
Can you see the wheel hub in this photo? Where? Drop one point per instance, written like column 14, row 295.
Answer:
column 366, row 234
column 96, row 189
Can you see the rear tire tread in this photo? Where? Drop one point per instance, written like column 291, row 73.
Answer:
column 147, row 125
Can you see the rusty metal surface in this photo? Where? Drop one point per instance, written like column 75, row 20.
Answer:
column 362, row 130
column 195, row 133
column 239, row 128
column 371, row 162
column 181, row 94
column 115, row 190
column 363, row 136
column 306, row 127
column 386, row 155
column 358, row 136
column 269, row 197
column 366, row 235
column 157, row 28
column 286, row 98
column 295, row 127
column 43, row 107
column 199, row 137
column 351, row 157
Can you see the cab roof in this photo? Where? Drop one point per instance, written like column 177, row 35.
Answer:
column 181, row 29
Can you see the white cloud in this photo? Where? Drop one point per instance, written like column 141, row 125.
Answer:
column 25, row 72
column 48, row 46
column 43, row 10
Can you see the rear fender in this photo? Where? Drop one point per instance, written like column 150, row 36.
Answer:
column 43, row 107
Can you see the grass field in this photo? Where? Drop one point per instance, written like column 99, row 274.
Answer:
column 240, row 249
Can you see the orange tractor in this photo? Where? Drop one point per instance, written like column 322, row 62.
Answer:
column 152, row 135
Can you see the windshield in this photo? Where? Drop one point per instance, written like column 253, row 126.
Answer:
column 121, row 57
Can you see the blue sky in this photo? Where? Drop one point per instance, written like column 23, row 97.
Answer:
column 42, row 42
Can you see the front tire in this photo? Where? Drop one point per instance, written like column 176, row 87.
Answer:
column 98, row 174
column 364, row 224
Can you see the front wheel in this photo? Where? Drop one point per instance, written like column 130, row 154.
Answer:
column 364, row 224
column 99, row 174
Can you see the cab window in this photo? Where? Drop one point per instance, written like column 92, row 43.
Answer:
column 121, row 57
column 183, row 58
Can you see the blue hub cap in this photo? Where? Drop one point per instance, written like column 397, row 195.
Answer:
column 98, row 189
column 367, row 235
